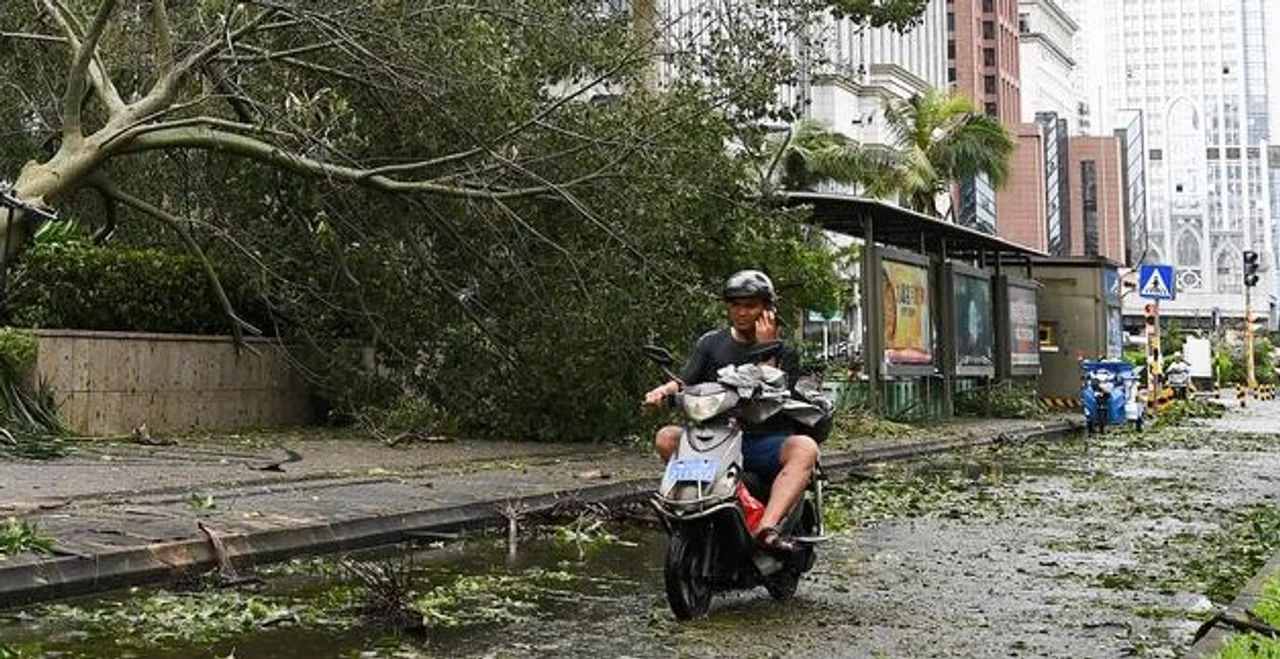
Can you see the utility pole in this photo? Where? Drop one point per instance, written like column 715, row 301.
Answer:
column 1152, row 310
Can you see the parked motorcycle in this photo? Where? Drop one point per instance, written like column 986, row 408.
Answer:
column 706, row 497
column 1178, row 377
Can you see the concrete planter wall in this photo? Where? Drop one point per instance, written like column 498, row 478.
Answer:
column 110, row 382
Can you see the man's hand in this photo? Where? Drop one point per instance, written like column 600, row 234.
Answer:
column 767, row 326
column 659, row 395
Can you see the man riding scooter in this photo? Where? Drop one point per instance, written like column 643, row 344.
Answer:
column 774, row 450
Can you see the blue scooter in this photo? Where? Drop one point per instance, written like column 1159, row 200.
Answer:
column 1108, row 389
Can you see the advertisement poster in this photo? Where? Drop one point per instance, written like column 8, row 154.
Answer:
column 1111, row 285
column 908, row 336
column 1115, row 334
column 975, row 336
column 1024, row 325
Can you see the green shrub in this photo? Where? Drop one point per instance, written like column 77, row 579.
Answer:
column 75, row 285
column 1002, row 400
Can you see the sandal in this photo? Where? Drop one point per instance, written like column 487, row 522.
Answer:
column 771, row 538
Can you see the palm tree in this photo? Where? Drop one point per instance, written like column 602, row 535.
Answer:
column 938, row 139
column 944, row 139
column 814, row 154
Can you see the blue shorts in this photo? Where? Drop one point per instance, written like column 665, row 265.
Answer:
column 762, row 453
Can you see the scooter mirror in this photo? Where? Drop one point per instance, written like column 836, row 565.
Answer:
column 658, row 355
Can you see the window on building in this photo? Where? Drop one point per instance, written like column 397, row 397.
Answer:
column 1156, row 154
column 989, row 56
column 1049, row 336
column 989, row 84
column 990, row 109
column 988, row 29
column 988, row 5
column 951, row 74
column 1024, row 23
column 951, row 50
column 1089, row 205
column 951, row 21
column 1230, row 271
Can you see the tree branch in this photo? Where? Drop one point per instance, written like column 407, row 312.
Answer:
column 85, row 58
column 102, row 233
column 200, row 137
column 143, row 127
column 264, row 55
column 166, row 87
column 238, row 325
column 164, row 36
column 312, row 66
column 30, row 36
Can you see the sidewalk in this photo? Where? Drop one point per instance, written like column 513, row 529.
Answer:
column 123, row 514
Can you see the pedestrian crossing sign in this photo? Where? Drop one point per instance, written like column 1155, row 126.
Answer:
column 1155, row 282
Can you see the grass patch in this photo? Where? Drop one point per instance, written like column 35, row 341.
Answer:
column 1251, row 646
column 18, row 536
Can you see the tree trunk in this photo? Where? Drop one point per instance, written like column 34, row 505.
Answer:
column 40, row 185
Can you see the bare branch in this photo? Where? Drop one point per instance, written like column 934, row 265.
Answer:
column 102, row 233
column 422, row 164
column 200, row 137
column 164, row 36
column 166, row 87
column 28, row 36
column 264, row 55
column 238, row 325
column 145, row 126
column 85, row 58
column 304, row 64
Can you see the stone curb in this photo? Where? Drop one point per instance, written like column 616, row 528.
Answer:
column 64, row 577
column 1213, row 642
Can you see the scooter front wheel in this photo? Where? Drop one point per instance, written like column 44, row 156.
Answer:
column 688, row 591
column 782, row 585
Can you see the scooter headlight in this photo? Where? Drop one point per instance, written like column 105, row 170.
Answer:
column 706, row 406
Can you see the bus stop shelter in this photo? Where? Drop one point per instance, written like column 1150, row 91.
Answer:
column 941, row 302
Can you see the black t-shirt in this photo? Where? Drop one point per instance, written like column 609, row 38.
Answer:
column 717, row 349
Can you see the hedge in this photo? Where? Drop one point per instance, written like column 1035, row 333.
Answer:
column 76, row 285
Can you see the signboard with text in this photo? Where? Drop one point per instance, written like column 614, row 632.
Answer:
column 906, row 299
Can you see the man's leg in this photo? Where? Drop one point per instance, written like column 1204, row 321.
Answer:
column 667, row 441
column 799, row 455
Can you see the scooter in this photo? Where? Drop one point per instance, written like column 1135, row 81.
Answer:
column 706, row 497
column 1178, row 377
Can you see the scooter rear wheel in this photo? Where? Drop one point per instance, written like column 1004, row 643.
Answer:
column 688, row 592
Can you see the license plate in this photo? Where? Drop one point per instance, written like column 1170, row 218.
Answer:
column 692, row 470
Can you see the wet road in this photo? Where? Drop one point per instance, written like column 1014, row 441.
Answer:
column 1107, row 548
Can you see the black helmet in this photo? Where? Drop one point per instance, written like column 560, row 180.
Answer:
column 749, row 283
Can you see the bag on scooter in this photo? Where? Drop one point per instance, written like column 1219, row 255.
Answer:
column 752, row 508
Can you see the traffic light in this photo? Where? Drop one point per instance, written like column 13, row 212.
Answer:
column 1250, row 268
column 1150, row 311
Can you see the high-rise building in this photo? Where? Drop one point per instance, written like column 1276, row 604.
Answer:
column 1133, row 155
column 1095, row 198
column 857, row 69
column 1057, row 209
column 1046, row 43
column 983, row 55
column 1021, row 201
column 1198, row 73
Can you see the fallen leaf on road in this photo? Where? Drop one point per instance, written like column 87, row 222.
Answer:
column 594, row 475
